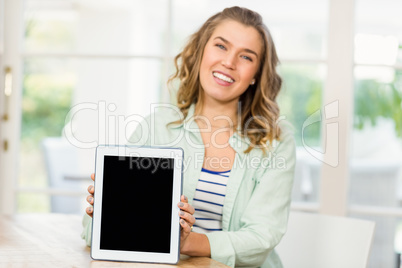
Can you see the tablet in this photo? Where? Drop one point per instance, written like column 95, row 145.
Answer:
column 135, row 216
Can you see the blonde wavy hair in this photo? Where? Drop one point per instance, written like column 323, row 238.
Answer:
column 259, row 109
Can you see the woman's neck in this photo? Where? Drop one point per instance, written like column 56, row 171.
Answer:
column 219, row 115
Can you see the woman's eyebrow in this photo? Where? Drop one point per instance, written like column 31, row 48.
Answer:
column 227, row 42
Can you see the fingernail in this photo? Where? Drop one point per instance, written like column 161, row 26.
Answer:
column 90, row 199
column 90, row 210
column 181, row 204
column 182, row 221
column 181, row 213
column 90, row 188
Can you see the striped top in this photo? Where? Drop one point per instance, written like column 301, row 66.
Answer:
column 208, row 200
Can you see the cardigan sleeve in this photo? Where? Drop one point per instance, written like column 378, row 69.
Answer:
column 264, row 221
column 87, row 231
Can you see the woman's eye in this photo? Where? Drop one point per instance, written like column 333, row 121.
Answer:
column 220, row 46
column 247, row 58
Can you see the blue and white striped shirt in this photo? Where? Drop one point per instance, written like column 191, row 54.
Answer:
column 208, row 200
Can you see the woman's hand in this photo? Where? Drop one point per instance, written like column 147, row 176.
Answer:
column 186, row 219
column 90, row 197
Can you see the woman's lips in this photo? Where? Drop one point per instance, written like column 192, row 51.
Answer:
column 223, row 79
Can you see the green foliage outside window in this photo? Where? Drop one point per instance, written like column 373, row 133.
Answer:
column 300, row 98
column 374, row 100
column 45, row 104
column 47, row 86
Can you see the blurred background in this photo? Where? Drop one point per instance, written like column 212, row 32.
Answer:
column 88, row 70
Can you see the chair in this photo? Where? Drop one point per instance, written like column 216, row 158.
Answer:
column 317, row 241
column 65, row 173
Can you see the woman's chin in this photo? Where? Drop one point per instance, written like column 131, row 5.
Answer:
column 221, row 98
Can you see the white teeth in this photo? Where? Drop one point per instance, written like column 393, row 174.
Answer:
column 223, row 77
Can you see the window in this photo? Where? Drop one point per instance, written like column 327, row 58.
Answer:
column 88, row 65
column 375, row 166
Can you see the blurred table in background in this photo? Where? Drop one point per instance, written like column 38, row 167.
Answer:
column 53, row 240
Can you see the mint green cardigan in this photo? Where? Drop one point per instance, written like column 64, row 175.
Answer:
column 256, row 206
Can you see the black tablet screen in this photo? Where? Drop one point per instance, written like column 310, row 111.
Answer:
column 137, row 204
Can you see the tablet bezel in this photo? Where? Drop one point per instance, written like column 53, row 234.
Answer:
column 137, row 256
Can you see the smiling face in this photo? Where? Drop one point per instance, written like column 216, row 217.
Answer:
column 230, row 61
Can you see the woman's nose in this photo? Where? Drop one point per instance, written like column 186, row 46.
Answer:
column 229, row 61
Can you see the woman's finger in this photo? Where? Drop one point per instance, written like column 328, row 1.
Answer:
column 91, row 189
column 186, row 207
column 89, row 211
column 184, row 199
column 90, row 199
column 190, row 219
column 186, row 228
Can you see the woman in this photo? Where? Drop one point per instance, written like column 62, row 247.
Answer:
column 239, row 162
